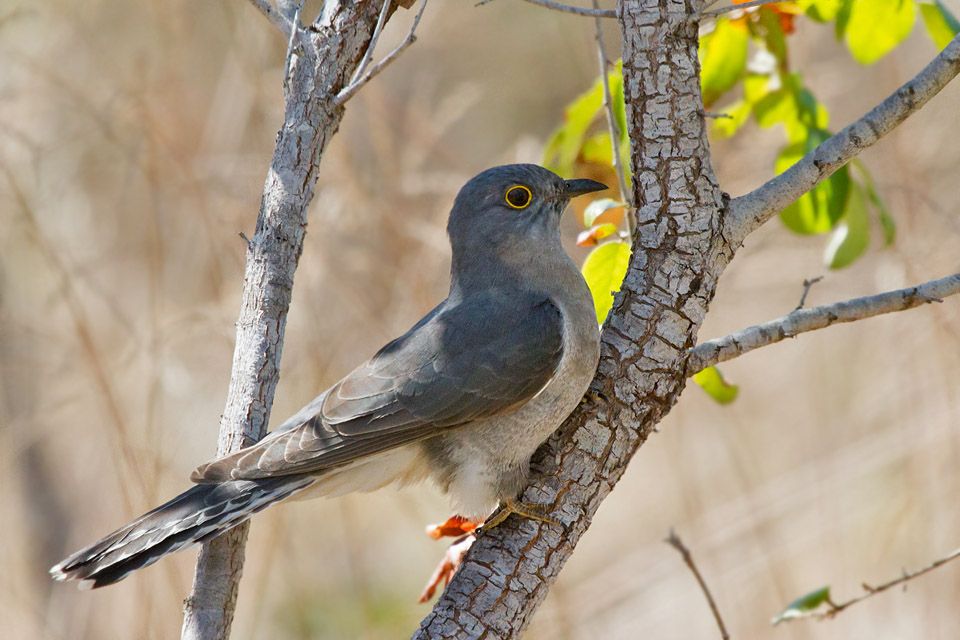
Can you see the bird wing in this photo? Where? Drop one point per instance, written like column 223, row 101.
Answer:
column 481, row 356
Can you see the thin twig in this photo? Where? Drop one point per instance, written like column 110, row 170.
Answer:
column 368, row 54
column 674, row 541
column 745, row 5
column 566, row 8
column 714, row 114
column 747, row 212
column 807, row 285
column 294, row 35
column 869, row 591
column 736, row 344
column 273, row 16
column 347, row 92
column 612, row 125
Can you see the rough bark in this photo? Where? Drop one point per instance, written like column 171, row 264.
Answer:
column 686, row 235
column 678, row 255
column 321, row 64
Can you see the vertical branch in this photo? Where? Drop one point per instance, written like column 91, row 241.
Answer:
column 319, row 68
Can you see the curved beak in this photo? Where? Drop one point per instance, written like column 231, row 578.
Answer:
column 573, row 188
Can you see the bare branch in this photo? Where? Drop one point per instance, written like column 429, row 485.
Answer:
column 745, row 5
column 273, row 16
column 349, row 91
column 749, row 211
column 612, row 125
column 580, row 11
column 807, row 285
column 310, row 120
column 801, row 320
column 674, row 541
column 869, row 590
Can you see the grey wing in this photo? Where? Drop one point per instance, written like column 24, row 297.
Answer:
column 479, row 357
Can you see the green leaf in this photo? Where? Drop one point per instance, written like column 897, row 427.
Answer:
column 820, row 10
column 597, row 149
column 852, row 235
column 818, row 210
column 711, row 381
column 565, row 143
column 884, row 217
column 941, row 25
column 604, row 270
column 873, row 28
column 803, row 604
column 597, row 208
column 723, row 58
column 738, row 113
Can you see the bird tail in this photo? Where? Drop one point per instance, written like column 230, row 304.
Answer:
column 196, row 515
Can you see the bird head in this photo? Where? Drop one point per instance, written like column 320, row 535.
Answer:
column 512, row 204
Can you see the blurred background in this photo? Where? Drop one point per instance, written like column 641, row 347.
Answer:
column 134, row 139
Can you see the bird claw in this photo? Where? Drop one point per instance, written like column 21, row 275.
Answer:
column 454, row 527
column 448, row 566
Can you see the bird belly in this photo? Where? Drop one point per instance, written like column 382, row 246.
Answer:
column 402, row 466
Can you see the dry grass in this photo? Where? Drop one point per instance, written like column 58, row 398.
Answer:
column 134, row 139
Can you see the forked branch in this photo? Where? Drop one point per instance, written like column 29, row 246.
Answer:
column 747, row 212
column 801, row 320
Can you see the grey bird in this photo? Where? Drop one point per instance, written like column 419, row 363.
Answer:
column 464, row 397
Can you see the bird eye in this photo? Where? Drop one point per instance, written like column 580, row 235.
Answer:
column 518, row 196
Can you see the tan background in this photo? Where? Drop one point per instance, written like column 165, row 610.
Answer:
column 134, row 138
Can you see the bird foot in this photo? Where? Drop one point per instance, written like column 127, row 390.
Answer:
column 454, row 527
column 528, row 510
column 447, row 567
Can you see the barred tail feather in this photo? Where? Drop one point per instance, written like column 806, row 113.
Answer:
column 196, row 515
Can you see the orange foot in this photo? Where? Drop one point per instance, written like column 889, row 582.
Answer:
column 451, row 560
column 454, row 527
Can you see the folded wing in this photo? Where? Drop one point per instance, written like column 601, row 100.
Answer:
column 468, row 359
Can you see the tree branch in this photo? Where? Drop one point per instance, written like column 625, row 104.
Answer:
column 364, row 78
column 580, row 11
column 273, row 16
column 612, row 126
column 801, row 320
column 324, row 62
column 749, row 211
column 736, row 7
column 833, row 608
column 674, row 541
column 678, row 255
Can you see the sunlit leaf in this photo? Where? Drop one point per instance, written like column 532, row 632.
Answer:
column 733, row 117
column 604, row 270
column 818, row 210
column 592, row 236
column 803, row 604
column 821, row 10
column 597, row 208
column 711, row 381
column 597, row 149
column 565, row 143
column 723, row 58
column 873, row 28
column 940, row 23
column 852, row 234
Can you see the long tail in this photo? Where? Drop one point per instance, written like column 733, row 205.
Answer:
column 196, row 515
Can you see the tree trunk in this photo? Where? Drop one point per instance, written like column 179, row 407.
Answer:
column 679, row 253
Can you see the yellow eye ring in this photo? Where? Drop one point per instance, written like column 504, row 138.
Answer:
column 518, row 197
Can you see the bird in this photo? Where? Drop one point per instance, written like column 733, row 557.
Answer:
column 463, row 398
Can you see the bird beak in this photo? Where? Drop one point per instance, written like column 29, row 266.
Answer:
column 573, row 188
